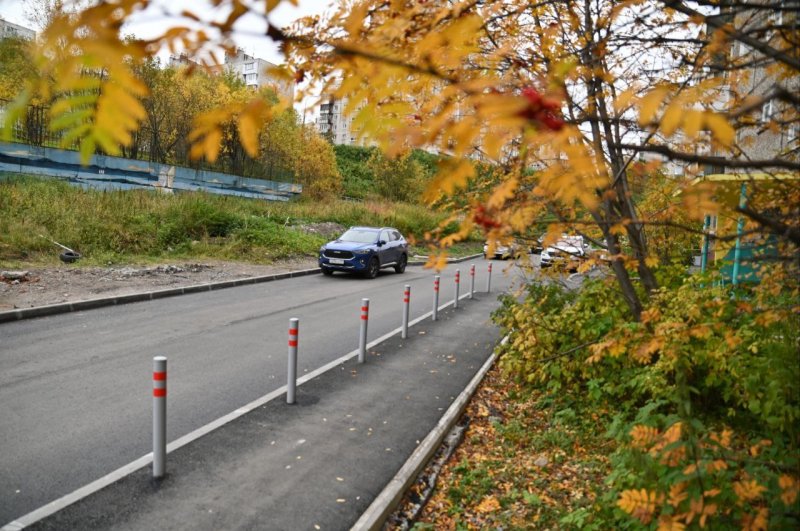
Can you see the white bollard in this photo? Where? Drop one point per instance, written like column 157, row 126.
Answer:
column 159, row 416
column 489, row 279
column 435, row 297
column 472, row 281
column 362, row 337
column 406, row 301
column 291, row 372
column 458, row 282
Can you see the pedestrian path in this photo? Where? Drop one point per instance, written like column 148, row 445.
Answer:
column 317, row 464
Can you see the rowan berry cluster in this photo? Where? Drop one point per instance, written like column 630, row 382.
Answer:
column 542, row 110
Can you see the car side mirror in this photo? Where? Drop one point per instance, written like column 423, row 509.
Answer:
column 381, row 243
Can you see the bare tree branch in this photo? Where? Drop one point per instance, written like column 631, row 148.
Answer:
column 713, row 160
column 738, row 35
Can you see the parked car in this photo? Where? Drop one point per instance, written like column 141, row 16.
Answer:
column 502, row 252
column 365, row 250
column 569, row 249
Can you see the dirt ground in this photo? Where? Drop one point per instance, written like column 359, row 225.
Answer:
column 26, row 288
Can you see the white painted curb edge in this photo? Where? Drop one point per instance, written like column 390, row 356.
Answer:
column 374, row 517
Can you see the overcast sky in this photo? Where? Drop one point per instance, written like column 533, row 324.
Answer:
column 153, row 21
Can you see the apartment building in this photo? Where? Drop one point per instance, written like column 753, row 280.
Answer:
column 775, row 129
column 9, row 29
column 255, row 73
column 334, row 124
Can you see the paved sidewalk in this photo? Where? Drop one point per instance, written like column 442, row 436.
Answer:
column 318, row 464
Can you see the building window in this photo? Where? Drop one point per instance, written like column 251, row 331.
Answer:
column 250, row 78
column 766, row 111
column 794, row 134
column 249, row 67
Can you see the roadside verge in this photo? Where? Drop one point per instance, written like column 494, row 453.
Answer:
column 76, row 306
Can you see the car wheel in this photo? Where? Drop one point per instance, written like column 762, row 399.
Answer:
column 372, row 268
column 327, row 272
column 401, row 265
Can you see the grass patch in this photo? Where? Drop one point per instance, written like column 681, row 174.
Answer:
column 141, row 226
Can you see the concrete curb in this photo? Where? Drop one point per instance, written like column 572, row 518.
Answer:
column 66, row 307
column 53, row 309
column 449, row 260
column 379, row 510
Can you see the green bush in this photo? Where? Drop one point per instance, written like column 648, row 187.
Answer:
column 702, row 396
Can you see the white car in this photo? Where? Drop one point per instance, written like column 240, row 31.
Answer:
column 502, row 252
column 569, row 249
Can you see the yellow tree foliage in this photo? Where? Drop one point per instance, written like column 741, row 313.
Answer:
column 316, row 169
column 547, row 91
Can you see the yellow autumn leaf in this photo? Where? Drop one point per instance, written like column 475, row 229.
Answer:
column 488, row 505
column 668, row 522
column 437, row 261
column 355, row 19
column 748, row 490
column 493, row 144
column 448, row 179
column 789, row 489
column 673, row 433
column 677, row 494
column 211, row 144
column 640, row 504
column 623, row 100
column 716, row 466
column 645, row 352
column 757, row 522
column 502, row 193
column 692, row 123
column 643, row 436
column 720, row 127
column 648, row 108
column 672, row 118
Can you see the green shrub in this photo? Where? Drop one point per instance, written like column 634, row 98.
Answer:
column 702, row 396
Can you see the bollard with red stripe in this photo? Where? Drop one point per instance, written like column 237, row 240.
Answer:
column 406, row 303
column 435, row 298
column 362, row 337
column 458, row 282
column 472, row 281
column 291, row 379
column 489, row 279
column 159, row 416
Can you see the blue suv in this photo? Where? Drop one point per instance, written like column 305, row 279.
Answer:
column 365, row 250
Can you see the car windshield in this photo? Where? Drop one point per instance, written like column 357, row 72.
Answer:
column 359, row 236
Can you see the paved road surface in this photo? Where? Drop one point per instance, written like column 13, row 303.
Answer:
column 76, row 388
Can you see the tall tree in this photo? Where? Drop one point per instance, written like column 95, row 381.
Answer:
column 576, row 90
column 315, row 167
column 15, row 66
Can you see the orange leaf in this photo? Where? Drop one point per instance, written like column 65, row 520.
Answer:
column 488, row 505
column 789, row 487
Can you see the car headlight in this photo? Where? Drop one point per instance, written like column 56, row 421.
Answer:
column 322, row 249
column 362, row 251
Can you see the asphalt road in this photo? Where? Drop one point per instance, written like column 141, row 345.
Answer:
column 76, row 388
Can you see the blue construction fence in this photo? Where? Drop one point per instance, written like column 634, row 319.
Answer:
column 105, row 172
